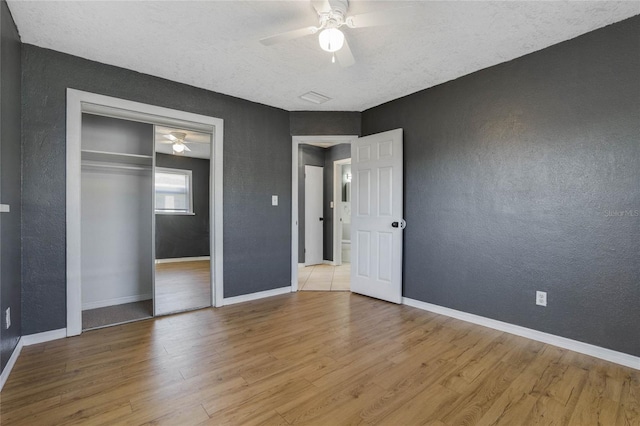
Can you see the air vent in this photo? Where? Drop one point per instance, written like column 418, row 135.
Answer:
column 315, row 98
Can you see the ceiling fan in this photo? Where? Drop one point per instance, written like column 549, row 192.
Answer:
column 177, row 139
column 332, row 16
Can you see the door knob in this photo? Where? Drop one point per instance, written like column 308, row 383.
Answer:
column 402, row 224
column 321, row 219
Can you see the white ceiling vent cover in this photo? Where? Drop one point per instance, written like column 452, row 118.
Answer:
column 315, row 98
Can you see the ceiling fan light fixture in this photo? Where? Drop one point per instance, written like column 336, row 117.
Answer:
column 178, row 148
column 331, row 39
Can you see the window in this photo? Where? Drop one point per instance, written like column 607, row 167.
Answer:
column 173, row 191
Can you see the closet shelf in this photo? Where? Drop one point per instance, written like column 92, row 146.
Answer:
column 116, row 157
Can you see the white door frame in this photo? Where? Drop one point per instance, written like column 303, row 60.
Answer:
column 296, row 141
column 79, row 102
column 337, row 209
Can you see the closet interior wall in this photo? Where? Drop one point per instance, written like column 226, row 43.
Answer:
column 117, row 225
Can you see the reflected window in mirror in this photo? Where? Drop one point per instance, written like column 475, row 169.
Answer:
column 173, row 189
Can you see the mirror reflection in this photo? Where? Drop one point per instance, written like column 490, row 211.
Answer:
column 182, row 214
column 345, row 214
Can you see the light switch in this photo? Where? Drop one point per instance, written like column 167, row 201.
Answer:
column 331, row 205
column 274, row 200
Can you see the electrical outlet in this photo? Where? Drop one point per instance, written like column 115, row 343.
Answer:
column 7, row 318
column 541, row 298
column 274, row 200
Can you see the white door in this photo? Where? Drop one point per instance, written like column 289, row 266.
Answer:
column 313, row 215
column 376, row 216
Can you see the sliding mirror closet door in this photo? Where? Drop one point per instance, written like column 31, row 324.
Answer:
column 182, row 215
column 116, row 221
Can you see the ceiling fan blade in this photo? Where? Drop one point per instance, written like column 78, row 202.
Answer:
column 198, row 142
column 344, row 56
column 166, row 142
column 321, row 6
column 186, row 148
column 380, row 17
column 289, row 35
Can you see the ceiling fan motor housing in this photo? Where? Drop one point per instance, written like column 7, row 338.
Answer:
column 335, row 16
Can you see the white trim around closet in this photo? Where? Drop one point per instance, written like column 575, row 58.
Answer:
column 79, row 102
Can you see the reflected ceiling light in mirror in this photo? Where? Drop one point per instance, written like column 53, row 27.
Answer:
column 178, row 148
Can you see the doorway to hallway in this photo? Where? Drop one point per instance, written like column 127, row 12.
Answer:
column 321, row 152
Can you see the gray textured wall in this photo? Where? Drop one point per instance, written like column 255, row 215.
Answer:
column 336, row 152
column 511, row 176
column 257, row 164
column 185, row 235
column 308, row 155
column 10, row 181
column 319, row 123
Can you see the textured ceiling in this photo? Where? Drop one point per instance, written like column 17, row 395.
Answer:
column 214, row 44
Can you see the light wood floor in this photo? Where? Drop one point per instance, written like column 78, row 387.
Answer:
column 182, row 285
column 326, row 358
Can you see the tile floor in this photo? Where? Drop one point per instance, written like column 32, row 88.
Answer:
column 324, row 277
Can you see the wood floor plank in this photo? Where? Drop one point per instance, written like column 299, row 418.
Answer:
column 409, row 384
column 186, row 415
column 13, row 416
column 252, row 410
column 313, row 358
column 596, row 402
column 423, row 408
column 629, row 407
column 479, row 396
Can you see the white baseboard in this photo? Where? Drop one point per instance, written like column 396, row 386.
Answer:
column 116, row 301
column 12, row 361
column 46, row 336
column 31, row 339
column 183, row 259
column 551, row 339
column 329, row 262
column 255, row 296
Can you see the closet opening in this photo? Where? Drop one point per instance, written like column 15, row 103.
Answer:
column 144, row 211
column 116, row 221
